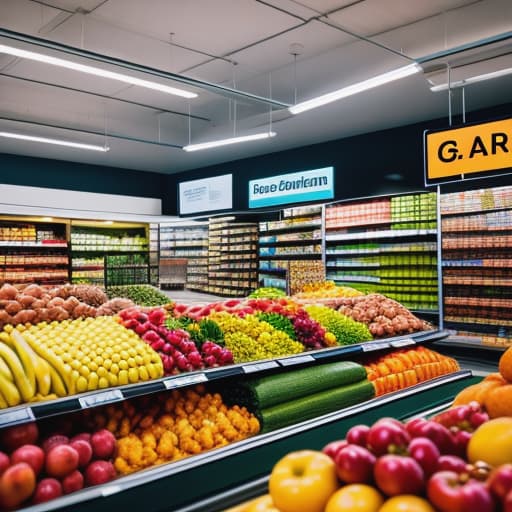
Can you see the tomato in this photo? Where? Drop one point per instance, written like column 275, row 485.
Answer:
column 303, row 481
column 355, row 498
column 262, row 504
column 406, row 503
column 491, row 442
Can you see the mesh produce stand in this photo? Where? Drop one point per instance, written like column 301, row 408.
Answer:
column 173, row 272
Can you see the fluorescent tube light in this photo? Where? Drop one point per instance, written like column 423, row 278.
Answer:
column 91, row 70
column 472, row 80
column 350, row 90
column 58, row 142
column 225, row 142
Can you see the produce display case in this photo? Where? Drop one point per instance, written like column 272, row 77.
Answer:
column 297, row 236
column 385, row 245
column 477, row 284
column 33, row 252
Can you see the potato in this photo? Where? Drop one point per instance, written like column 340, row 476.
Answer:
column 13, row 307
column 8, row 292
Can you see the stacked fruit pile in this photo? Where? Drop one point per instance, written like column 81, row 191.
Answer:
column 35, row 469
column 325, row 289
column 177, row 350
column 407, row 367
column 169, row 426
column 458, row 461
column 56, row 359
column 494, row 392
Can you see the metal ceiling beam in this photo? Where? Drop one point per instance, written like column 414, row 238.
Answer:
column 92, row 56
column 106, row 96
column 92, row 132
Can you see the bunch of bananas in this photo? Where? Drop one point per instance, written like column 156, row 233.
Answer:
column 50, row 360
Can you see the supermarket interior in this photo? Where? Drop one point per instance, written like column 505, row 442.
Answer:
column 256, row 255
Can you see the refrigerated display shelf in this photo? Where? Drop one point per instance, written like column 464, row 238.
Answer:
column 247, row 463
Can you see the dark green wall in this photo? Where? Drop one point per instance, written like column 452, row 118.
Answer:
column 361, row 162
column 41, row 172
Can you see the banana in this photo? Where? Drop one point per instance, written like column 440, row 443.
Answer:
column 5, row 371
column 27, row 357
column 43, row 377
column 9, row 392
column 23, row 383
column 6, row 338
column 62, row 369
column 38, row 397
column 3, row 402
column 57, row 384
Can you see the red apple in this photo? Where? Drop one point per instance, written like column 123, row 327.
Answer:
column 103, row 444
column 5, row 462
column 47, row 489
column 358, row 434
column 439, row 434
column 354, row 464
column 396, row 474
column 500, row 481
column 84, row 451
column 425, row 453
column 17, row 484
column 450, row 492
column 451, row 463
column 386, row 436
column 18, row 435
column 99, row 472
column 72, row 482
column 31, row 454
column 413, row 426
column 61, row 460
column 54, row 440
column 334, row 447
column 84, row 436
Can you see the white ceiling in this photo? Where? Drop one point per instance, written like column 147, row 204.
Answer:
column 241, row 44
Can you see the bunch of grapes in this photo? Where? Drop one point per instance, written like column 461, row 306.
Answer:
column 308, row 331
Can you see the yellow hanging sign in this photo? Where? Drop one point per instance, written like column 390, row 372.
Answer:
column 477, row 148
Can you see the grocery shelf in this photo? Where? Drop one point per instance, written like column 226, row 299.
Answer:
column 306, row 227
column 290, row 256
column 450, row 213
column 389, row 233
column 247, row 463
column 38, row 410
column 299, row 241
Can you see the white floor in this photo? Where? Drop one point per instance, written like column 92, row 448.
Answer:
column 191, row 297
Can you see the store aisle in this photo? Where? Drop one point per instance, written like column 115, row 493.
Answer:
column 191, row 297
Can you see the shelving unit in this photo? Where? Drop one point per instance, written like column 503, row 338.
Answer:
column 296, row 236
column 232, row 257
column 33, row 252
column 385, row 245
column 187, row 244
column 110, row 255
column 477, row 266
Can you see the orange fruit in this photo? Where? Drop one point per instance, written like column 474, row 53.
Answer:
column 406, row 503
column 496, row 377
column 262, row 504
column 355, row 498
column 498, row 401
column 492, row 442
column 505, row 364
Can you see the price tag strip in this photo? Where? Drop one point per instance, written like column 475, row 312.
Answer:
column 307, row 358
column 185, row 380
column 402, row 343
column 370, row 347
column 256, row 367
column 106, row 397
column 23, row 415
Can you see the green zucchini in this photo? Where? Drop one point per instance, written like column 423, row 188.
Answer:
column 312, row 406
column 283, row 387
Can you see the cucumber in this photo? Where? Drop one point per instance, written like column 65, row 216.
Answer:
column 306, row 408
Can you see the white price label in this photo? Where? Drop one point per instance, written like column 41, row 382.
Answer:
column 256, row 367
column 113, row 395
column 185, row 380
column 16, row 416
column 370, row 347
column 403, row 343
column 296, row 360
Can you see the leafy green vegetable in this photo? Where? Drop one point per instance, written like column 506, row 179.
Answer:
column 267, row 293
column 279, row 322
column 141, row 294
